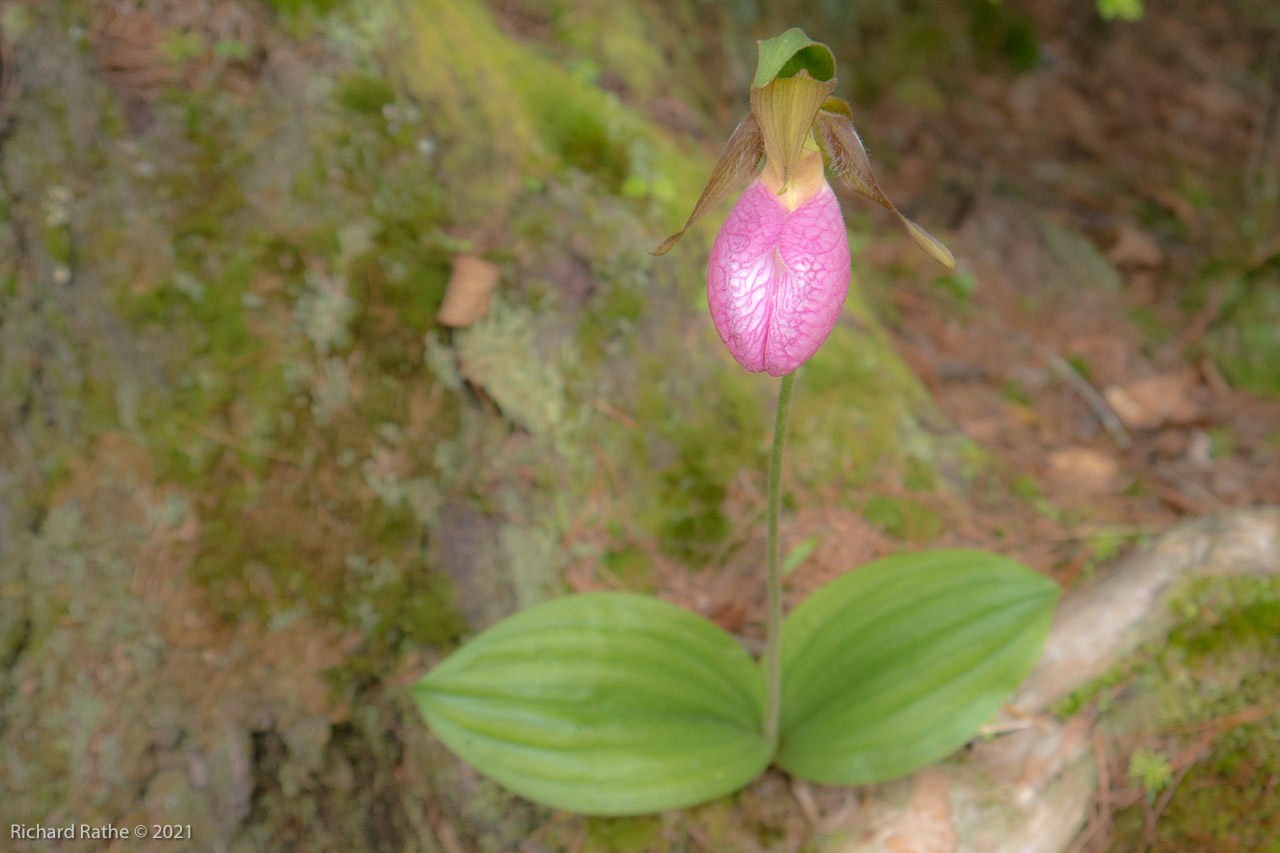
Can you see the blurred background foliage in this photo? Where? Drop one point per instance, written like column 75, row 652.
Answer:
column 250, row 487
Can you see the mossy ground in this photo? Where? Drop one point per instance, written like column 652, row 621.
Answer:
column 240, row 313
column 254, row 489
column 1204, row 700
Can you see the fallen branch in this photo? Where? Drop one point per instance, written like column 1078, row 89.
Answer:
column 1101, row 624
column 1062, row 368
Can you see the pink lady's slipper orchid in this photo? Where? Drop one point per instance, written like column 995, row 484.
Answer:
column 779, row 269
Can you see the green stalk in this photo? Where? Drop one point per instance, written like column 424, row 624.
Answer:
column 773, row 628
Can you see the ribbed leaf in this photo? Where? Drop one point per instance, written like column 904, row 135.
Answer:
column 897, row 664
column 607, row 704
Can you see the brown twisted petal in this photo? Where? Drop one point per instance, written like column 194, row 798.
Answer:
column 847, row 158
column 741, row 156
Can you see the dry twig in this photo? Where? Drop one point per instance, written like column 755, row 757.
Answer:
column 1062, row 368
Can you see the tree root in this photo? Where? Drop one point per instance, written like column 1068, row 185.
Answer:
column 1030, row 790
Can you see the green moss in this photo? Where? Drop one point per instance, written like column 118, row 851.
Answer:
column 230, row 400
column 614, row 314
column 1245, row 338
column 576, row 126
column 1154, row 330
column 903, row 518
column 394, row 314
column 532, row 115
column 700, row 430
column 251, row 566
column 464, row 70
column 623, row 835
column 1080, row 365
column 1222, row 442
column 364, row 93
column 1223, row 661
column 1014, row 391
column 262, row 553
column 630, row 564
column 199, row 393
column 921, row 475
column 854, row 412
column 639, row 52
column 1025, row 487
column 416, row 610
column 1002, row 35
column 293, row 7
column 57, row 244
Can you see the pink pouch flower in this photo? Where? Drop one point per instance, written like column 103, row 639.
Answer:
column 779, row 269
column 778, row 277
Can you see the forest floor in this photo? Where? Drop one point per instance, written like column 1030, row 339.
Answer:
column 1119, row 402
column 1158, row 150
column 252, row 489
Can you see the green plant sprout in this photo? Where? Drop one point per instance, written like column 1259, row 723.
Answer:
column 1151, row 771
column 620, row 704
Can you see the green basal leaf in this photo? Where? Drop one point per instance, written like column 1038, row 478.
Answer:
column 847, row 157
column 789, row 54
column 740, row 158
column 897, row 664
column 603, row 704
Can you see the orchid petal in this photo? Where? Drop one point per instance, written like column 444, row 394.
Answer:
column 840, row 142
column 740, row 158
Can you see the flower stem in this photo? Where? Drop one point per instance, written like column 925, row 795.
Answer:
column 773, row 629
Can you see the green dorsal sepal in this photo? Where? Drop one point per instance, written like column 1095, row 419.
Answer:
column 789, row 54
